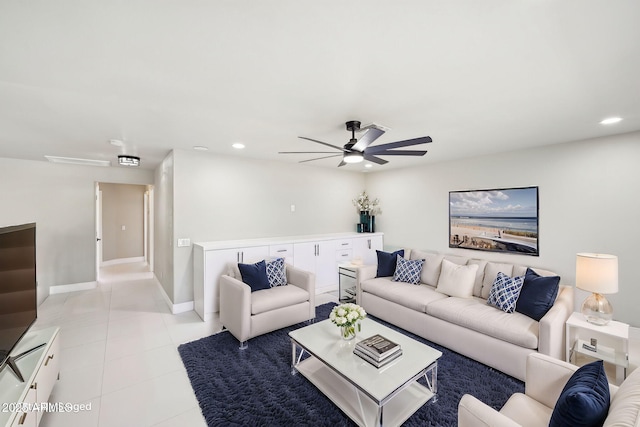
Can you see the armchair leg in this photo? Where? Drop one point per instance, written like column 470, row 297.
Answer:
column 244, row 345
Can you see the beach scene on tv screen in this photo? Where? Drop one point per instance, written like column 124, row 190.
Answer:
column 504, row 220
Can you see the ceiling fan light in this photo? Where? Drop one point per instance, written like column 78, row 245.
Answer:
column 353, row 157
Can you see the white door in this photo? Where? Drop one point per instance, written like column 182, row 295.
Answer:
column 98, row 231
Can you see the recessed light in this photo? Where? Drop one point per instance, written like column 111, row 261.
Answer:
column 611, row 120
column 368, row 165
column 200, row 148
column 238, row 146
column 116, row 142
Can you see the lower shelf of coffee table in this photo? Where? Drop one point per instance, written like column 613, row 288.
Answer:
column 345, row 396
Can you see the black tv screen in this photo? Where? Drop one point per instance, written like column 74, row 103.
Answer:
column 18, row 300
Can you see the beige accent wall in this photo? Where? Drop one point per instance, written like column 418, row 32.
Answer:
column 587, row 199
column 122, row 207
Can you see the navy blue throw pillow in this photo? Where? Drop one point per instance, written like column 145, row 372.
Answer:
column 255, row 275
column 537, row 295
column 585, row 399
column 387, row 262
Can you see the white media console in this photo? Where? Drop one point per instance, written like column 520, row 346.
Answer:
column 22, row 401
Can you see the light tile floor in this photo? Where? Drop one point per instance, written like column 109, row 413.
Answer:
column 119, row 353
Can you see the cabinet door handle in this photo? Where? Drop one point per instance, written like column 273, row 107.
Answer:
column 344, row 255
column 22, row 419
column 282, row 250
column 344, row 244
column 46, row 362
column 369, row 243
column 34, row 386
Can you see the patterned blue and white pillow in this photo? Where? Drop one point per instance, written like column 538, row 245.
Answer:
column 505, row 292
column 408, row 270
column 276, row 273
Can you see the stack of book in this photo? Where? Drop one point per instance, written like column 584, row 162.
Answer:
column 377, row 350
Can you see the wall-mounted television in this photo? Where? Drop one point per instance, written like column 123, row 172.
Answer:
column 497, row 220
column 18, row 301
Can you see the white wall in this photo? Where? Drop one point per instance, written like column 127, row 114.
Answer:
column 163, row 225
column 223, row 197
column 60, row 199
column 587, row 202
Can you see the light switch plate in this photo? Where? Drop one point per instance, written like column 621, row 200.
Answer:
column 184, row 243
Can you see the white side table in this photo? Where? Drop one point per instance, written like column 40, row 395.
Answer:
column 612, row 342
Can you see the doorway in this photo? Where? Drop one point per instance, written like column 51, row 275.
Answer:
column 124, row 220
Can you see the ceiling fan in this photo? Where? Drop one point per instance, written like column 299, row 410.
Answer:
column 357, row 150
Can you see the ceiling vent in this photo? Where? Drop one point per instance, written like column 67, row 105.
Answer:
column 76, row 161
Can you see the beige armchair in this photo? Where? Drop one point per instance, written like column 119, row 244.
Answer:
column 545, row 379
column 248, row 314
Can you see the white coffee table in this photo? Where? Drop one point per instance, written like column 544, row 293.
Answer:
column 368, row 395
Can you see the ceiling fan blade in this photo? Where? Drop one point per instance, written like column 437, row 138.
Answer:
column 319, row 158
column 405, row 143
column 400, row 153
column 367, row 138
column 323, row 143
column 342, row 163
column 374, row 159
column 307, row 152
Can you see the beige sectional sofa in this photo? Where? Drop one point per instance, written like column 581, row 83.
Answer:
column 467, row 325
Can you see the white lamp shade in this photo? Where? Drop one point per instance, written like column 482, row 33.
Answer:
column 597, row 273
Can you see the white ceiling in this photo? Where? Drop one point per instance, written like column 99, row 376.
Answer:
column 478, row 76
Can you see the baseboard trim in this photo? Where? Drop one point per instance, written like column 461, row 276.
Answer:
column 175, row 308
column 121, row 261
column 61, row 289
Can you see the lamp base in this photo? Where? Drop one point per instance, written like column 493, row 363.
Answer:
column 597, row 310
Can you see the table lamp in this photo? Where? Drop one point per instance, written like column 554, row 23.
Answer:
column 597, row 273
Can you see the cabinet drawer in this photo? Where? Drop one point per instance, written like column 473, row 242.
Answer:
column 281, row 251
column 344, row 255
column 344, row 244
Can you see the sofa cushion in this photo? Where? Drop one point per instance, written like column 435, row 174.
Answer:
column 431, row 267
column 625, row 405
column 585, row 398
column 276, row 272
column 387, row 262
column 477, row 286
column 408, row 271
column 505, row 291
column 537, row 295
column 491, row 272
column 456, row 280
column 410, row 296
column 475, row 314
column 278, row 297
column 255, row 275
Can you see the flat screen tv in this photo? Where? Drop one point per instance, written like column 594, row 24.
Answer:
column 18, row 301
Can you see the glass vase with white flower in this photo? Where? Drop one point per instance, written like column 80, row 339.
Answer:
column 348, row 317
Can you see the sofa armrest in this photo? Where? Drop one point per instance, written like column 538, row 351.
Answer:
column 363, row 273
column 304, row 280
column 235, row 307
column 474, row 413
column 551, row 332
column 546, row 377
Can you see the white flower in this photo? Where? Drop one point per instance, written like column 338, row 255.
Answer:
column 341, row 312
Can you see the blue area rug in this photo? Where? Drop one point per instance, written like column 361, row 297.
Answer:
column 254, row 387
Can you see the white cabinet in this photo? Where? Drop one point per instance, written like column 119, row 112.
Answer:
column 209, row 266
column 40, row 370
column 365, row 248
column 319, row 254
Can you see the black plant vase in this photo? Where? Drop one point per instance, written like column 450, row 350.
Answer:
column 365, row 219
